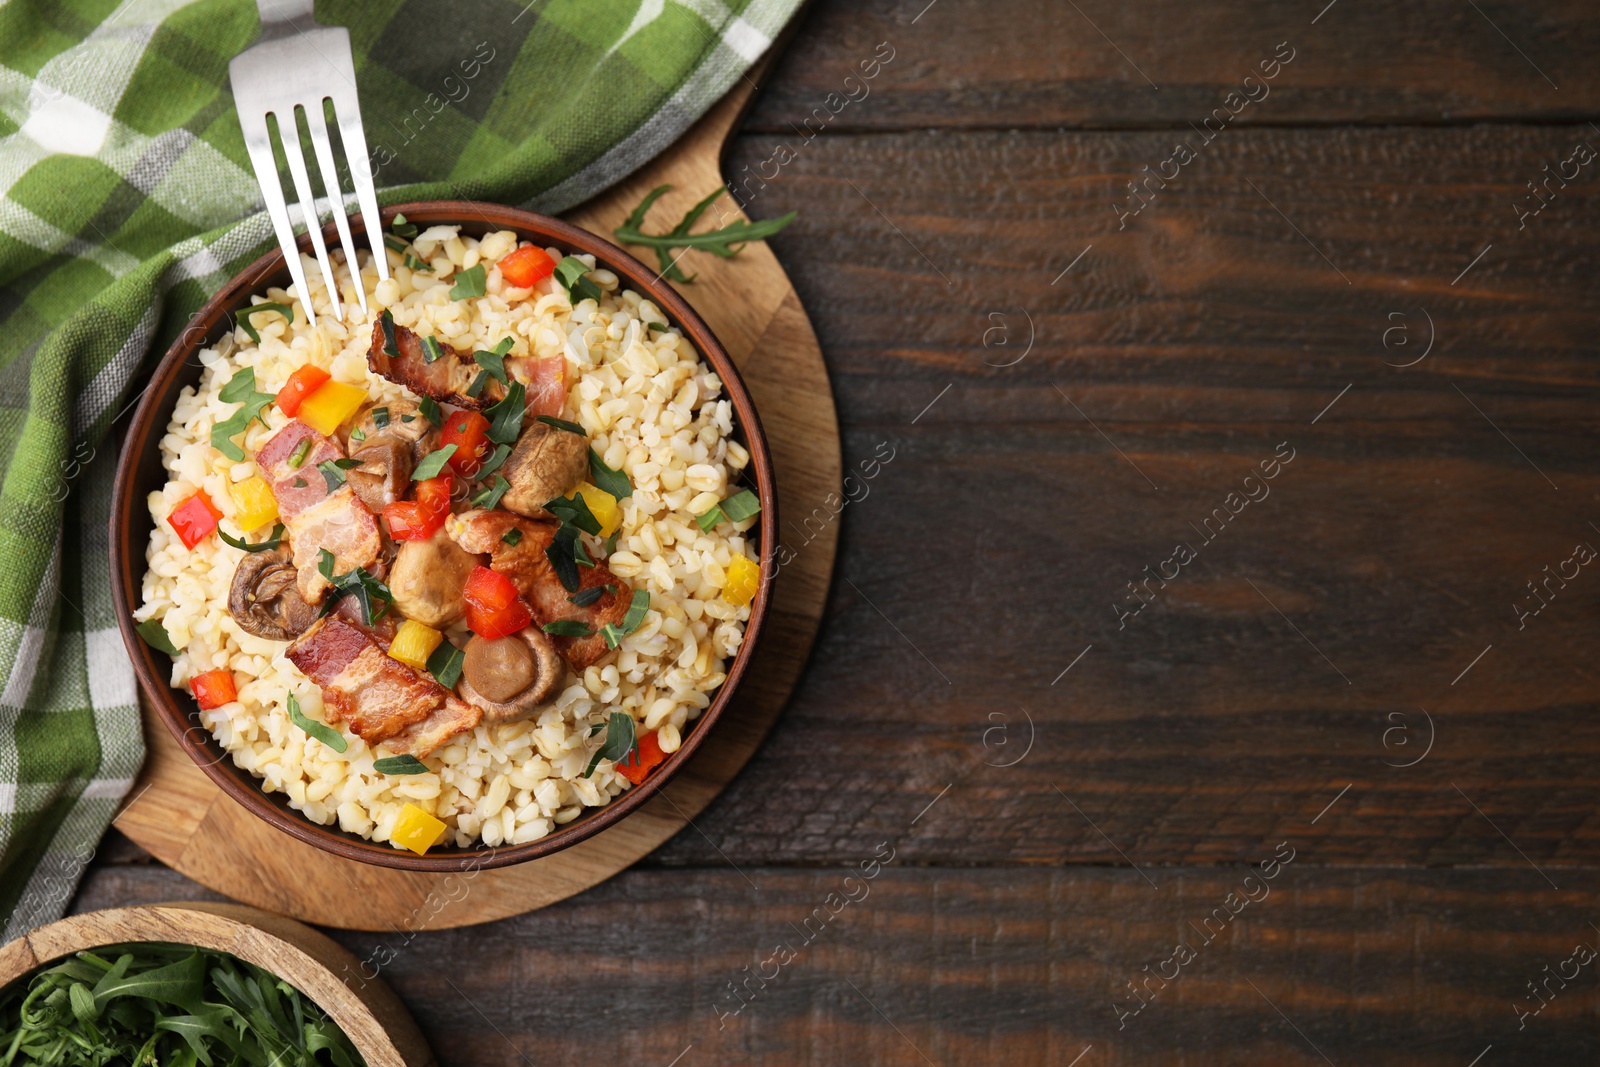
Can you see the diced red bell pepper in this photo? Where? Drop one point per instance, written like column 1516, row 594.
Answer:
column 301, row 384
column 214, row 689
column 493, row 610
column 648, row 754
column 420, row 519
column 469, row 432
column 547, row 385
column 527, row 266
column 193, row 519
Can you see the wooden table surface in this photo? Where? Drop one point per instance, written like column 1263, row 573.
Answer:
column 1209, row 664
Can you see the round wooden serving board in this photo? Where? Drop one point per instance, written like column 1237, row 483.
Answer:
column 178, row 815
column 365, row 1009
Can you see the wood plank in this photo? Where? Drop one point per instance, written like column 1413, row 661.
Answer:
column 1008, row 64
column 992, row 549
column 1018, row 966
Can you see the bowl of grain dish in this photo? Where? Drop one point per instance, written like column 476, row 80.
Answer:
column 459, row 575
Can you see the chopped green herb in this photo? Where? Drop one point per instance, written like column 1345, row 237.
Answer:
column 562, row 552
column 584, row 597
column 380, row 417
column 505, row 417
column 356, row 582
column 567, row 628
column 575, row 511
column 430, row 411
column 395, row 243
column 492, row 464
column 469, row 283
column 274, row 539
column 386, row 321
column 402, row 227
column 572, row 273
column 433, row 463
column 561, row 424
column 620, row 744
column 358, row 435
column 155, row 635
column 432, row 351
column 299, row 483
column 250, row 312
column 321, row 731
column 301, row 451
column 736, row 508
column 445, row 664
column 400, row 765
column 494, row 360
column 476, row 388
column 612, row 634
column 614, row 482
column 241, row 389
column 414, row 263
column 611, row 542
column 657, row 327
column 595, row 728
column 725, row 242
column 333, row 471
column 635, row 616
column 489, row 496
column 512, row 536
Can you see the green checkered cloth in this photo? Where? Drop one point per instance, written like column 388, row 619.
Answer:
column 126, row 198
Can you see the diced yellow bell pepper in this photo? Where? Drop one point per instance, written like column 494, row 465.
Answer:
column 416, row 829
column 603, row 506
column 253, row 503
column 744, row 578
column 331, row 404
column 413, row 643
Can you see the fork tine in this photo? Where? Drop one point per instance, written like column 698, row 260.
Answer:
column 308, row 203
column 355, row 150
column 257, row 139
column 335, row 193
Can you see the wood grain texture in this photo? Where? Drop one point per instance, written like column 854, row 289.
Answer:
column 1009, row 64
column 1007, row 967
column 176, row 812
column 368, row 1012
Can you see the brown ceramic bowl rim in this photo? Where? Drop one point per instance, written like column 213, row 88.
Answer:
column 129, row 538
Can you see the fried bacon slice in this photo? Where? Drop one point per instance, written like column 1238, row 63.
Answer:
column 382, row 699
column 315, row 518
column 447, row 378
column 530, row 570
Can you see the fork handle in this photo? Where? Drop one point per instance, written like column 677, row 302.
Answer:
column 285, row 13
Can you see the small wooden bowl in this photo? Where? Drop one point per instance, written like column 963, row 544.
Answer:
column 140, row 472
column 364, row 1008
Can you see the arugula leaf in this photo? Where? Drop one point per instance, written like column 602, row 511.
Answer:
column 405, row 764
column 575, row 511
column 476, row 388
column 333, row 471
column 245, row 315
column 430, row 411
column 718, row 242
column 621, row 743
column 492, row 464
column 572, row 273
column 567, row 628
column 358, row 583
column 241, row 388
column 433, row 463
column 584, row 597
column 489, row 496
column 386, row 321
column 154, row 632
column 445, row 664
column 494, row 360
column 273, row 540
column 614, row 482
column 561, row 424
column 321, row 731
column 630, row 622
column 432, row 351
column 740, row 506
column 469, row 283
column 506, row 415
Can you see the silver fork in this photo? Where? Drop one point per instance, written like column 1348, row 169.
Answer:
column 295, row 67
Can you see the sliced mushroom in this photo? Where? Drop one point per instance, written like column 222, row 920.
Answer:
column 546, row 463
column 402, row 422
column 264, row 600
column 510, row 677
column 384, row 474
column 427, row 578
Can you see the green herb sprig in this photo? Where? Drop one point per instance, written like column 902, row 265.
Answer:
column 621, row 743
column 725, row 242
column 274, row 539
column 373, row 596
column 246, row 314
